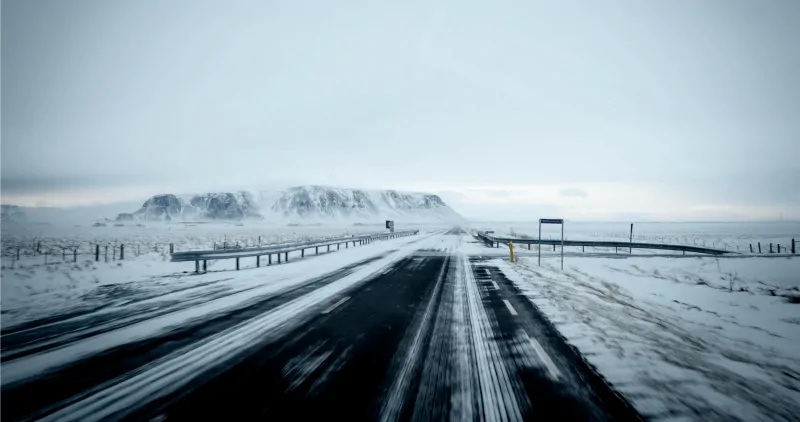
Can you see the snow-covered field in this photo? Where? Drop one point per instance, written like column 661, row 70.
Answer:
column 694, row 338
column 32, row 290
column 735, row 237
column 153, row 237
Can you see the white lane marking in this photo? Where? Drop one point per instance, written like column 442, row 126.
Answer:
column 336, row 305
column 552, row 370
column 494, row 284
column 510, row 308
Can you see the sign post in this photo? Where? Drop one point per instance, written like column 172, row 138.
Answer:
column 631, row 251
column 551, row 221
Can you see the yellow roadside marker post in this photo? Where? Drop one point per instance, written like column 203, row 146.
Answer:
column 511, row 250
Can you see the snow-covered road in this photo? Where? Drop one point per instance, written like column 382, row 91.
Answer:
column 413, row 328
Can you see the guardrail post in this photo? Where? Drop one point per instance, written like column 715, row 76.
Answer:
column 196, row 267
column 302, row 253
column 759, row 247
column 751, row 248
column 779, row 248
column 122, row 252
column 793, row 249
column 237, row 264
column 97, row 253
column 205, row 266
column 269, row 259
column 287, row 257
column 329, row 248
column 770, row 247
column 258, row 261
column 316, row 250
column 279, row 257
column 338, row 245
column 346, row 245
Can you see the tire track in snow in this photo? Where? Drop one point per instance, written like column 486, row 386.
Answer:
column 89, row 373
column 173, row 372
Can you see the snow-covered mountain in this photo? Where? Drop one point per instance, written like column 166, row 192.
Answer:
column 207, row 206
column 296, row 204
column 323, row 203
column 12, row 213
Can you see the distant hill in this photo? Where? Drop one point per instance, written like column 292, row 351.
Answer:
column 296, row 204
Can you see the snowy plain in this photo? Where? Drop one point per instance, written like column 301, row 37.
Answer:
column 735, row 236
column 683, row 338
column 31, row 289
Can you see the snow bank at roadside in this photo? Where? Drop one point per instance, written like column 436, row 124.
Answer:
column 33, row 292
column 682, row 338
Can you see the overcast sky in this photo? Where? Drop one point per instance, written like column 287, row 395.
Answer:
column 667, row 110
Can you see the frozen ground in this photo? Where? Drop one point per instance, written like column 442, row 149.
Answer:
column 34, row 240
column 682, row 338
column 730, row 236
column 30, row 290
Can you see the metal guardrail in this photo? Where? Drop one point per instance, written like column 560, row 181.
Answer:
column 279, row 250
column 495, row 241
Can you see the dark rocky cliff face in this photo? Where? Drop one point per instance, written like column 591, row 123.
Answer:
column 161, row 207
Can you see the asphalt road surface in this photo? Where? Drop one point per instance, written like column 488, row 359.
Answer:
column 435, row 333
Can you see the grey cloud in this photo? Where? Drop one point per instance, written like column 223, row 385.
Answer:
column 194, row 93
column 573, row 193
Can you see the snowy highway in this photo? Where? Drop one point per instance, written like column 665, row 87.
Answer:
column 415, row 328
